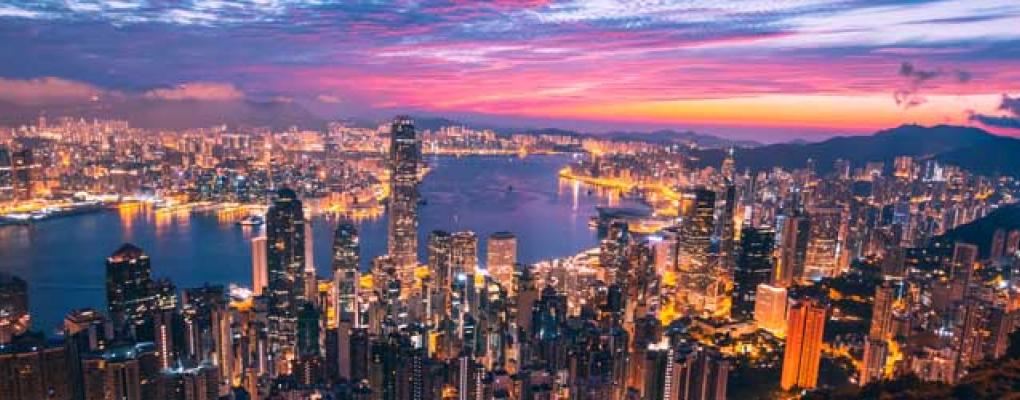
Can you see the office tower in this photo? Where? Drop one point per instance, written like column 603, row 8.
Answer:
column 259, row 268
column 667, row 251
column 804, row 328
column 770, row 309
column 6, row 175
column 969, row 339
column 753, row 267
column 129, row 285
column 309, row 327
column 310, row 280
column 695, row 266
column 679, row 369
column 85, row 331
column 207, row 327
column 163, row 336
column 30, row 369
column 405, row 157
column 822, row 259
column 876, row 346
column 501, row 257
column 189, row 383
column 125, row 372
column 464, row 252
column 285, row 239
column 14, row 316
column 346, row 263
column 727, row 232
column 24, row 170
column 611, row 249
column 440, row 248
column 791, row 248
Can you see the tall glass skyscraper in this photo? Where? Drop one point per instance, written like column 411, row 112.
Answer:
column 285, row 238
column 346, row 257
column 128, row 286
column 405, row 157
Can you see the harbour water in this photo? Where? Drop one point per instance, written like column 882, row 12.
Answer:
column 63, row 259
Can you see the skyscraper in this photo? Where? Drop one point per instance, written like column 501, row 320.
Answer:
column 753, row 267
column 695, row 265
column 875, row 346
column 501, row 257
column 128, row 287
column 405, row 157
column 346, row 261
column 791, row 248
column 824, row 244
column 727, row 231
column 770, row 309
column 803, row 354
column 439, row 253
column 285, row 239
column 24, row 169
column 14, row 316
column 31, row 369
column 259, row 270
column 464, row 251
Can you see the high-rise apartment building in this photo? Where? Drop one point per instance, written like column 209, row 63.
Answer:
column 822, row 259
column 259, row 268
column 464, row 251
column 770, row 309
column 501, row 255
column 803, row 353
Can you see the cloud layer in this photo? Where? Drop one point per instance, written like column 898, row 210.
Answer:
column 533, row 58
column 201, row 91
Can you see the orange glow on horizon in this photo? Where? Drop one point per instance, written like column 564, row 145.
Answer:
column 868, row 111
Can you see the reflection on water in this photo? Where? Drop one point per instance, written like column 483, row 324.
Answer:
column 63, row 259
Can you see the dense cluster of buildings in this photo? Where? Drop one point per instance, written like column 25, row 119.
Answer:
column 782, row 271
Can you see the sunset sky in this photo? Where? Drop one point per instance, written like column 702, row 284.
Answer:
column 808, row 68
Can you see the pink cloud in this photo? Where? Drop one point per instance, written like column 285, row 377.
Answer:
column 203, row 91
column 49, row 90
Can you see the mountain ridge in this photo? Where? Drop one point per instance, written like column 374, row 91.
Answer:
column 956, row 145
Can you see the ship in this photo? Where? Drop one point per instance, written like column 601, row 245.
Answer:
column 252, row 220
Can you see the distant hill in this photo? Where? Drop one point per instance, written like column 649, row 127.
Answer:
column 658, row 137
column 980, row 231
column 970, row 148
column 677, row 137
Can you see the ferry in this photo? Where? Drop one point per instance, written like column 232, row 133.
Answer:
column 252, row 220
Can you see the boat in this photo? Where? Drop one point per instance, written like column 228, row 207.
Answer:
column 251, row 220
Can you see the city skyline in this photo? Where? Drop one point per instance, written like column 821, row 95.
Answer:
column 509, row 199
column 688, row 273
column 737, row 69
